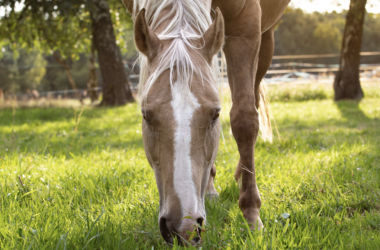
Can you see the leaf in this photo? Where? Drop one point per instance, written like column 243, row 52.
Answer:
column 28, row 193
column 193, row 234
column 187, row 217
column 285, row 215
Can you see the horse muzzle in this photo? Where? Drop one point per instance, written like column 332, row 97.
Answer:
column 169, row 229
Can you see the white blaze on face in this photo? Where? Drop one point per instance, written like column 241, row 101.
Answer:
column 183, row 176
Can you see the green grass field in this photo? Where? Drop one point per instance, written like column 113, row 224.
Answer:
column 71, row 181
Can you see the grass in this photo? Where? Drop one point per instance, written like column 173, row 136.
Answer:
column 315, row 91
column 80, row 180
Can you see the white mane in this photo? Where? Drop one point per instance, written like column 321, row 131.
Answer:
column 187, row 21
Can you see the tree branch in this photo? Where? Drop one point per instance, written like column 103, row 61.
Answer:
column 21, row 16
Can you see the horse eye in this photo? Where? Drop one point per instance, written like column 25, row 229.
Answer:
column 146, row 118
column 216, row 116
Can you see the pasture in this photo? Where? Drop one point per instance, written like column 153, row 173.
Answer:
column 78, row 178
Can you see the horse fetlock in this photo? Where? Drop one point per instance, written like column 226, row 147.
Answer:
column 250, row 204
column 256, row 224
column 252, row 215
column 250, row 198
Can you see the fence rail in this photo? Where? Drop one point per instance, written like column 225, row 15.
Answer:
column 314, row 70
column 320, row 56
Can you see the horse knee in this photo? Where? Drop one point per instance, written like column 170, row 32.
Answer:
column 245, row 123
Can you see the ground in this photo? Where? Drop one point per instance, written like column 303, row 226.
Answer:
column 78, row 179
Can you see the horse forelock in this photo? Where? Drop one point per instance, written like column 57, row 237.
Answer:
column 185, row 23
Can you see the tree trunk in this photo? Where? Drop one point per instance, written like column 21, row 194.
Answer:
column 92, row 83
column 68, row 72
column 116, row 90
column 347, row 81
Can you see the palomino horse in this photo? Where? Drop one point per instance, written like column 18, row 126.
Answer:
column 180, row 103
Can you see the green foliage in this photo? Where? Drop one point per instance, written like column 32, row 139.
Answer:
column 56, row 78
column 31, row 70
column 55, row 25
column 123, row 26
column 328, row 37
column 74, row 183
column 23, row 73
column 371, row 36
column 300, row 33
column 61, row 26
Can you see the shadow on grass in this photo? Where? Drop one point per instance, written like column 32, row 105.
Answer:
column 39, row 115
column 351, row 117
column 351, row 111
column 55, row 130
column 58, row 143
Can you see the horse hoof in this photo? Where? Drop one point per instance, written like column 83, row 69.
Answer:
column 258, row 225
column 212, row 196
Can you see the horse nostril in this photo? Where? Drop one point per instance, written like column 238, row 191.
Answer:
column 195, row 240
column 199, row 226
column 165, row 232
column 200, row 221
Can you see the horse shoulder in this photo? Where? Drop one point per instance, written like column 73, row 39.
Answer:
column 272, row 11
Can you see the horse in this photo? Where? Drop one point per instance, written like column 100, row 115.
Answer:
column 178, row 42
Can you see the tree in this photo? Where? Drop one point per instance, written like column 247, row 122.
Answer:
column 65, row 29
column 116, row 89
column 347, row 82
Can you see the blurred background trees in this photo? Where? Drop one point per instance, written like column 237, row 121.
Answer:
column 46, row 41
column 65, row 31
column 23, row 74
column 300, row 33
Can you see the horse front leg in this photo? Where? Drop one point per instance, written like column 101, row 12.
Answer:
column 211, row 192
column 242, row 46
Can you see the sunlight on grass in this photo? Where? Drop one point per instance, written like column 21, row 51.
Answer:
column 93, row 188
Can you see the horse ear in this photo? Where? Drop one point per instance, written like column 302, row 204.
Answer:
column 214, row 36
column 146, row 40
column 129, row 5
